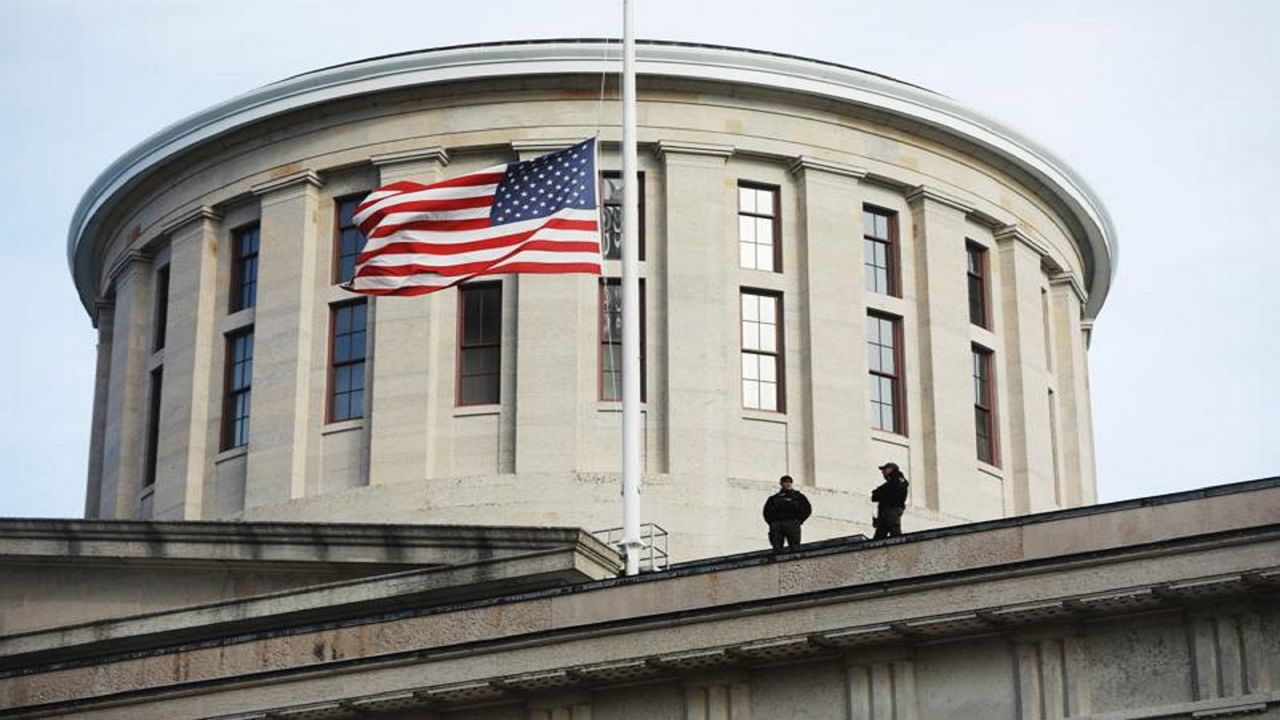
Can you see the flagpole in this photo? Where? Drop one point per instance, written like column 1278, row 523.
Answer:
column 630, row 303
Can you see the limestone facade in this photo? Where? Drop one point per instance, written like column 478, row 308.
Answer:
column 830, row 142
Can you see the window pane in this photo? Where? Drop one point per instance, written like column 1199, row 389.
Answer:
column 882, row 226
column 768, row 396
column 750, row 307
column 747, row 256
column 751, row 336
column 750, row 393
column 342, row 407
column 746, row 229
column 768, row 309
column 769, row 369
column 768, row 338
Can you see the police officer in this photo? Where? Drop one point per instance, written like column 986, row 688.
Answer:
column 785, row 511
column 890, row 498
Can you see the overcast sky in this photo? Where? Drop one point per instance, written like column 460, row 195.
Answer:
column 1168, row 109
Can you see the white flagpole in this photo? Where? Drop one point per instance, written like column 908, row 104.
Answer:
column 630, row 303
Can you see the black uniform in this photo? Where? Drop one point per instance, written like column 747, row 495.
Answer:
column 785, row 510
column 890, row 499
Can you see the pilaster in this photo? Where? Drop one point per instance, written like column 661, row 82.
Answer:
column 884, row 690
column 284, row 316
column 946, row 429
column 123, row 434
column 401, row 403
column 718, row 699
column 1070, row 364
column 104, row 317
column 699, row 396
column 1028, row 463
column 1050, row 679
column 830, row 255
column 183, row 460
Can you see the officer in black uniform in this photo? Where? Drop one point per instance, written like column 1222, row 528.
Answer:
column 785, row 511
column 890, row 498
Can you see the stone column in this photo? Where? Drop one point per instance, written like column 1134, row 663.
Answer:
column 284, row 317
column 832, row 327
column 718, row 699
column 124, row 433
column 401, row 401
column 182, row 459
column 700, row 310
column 104, row 314
column 881, row 690
column 946, row 429
column 1075, row 429
column 1028, row 462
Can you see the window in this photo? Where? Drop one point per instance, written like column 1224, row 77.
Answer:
column 347, row 324
column 884, row 359
column 762, row 351
column 244, row 268
column 611, row 340
column 1048, row 329
column 977, row 264
column 348, row 242
column 162, row 308
column 611, row 214
column 480, row 344
column 239, row 381
column 984, row 404
column 1053, row 447
column 153, row 426
column 880, row 250
column 759, row 246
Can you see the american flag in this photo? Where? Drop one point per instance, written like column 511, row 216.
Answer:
column 536, row 216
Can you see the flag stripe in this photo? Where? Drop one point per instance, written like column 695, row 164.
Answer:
column 448, row 245
column 472, row 262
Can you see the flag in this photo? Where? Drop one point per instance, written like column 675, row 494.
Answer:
column 536, row 216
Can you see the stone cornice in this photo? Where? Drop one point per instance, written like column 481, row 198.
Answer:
column 680, row 147
column 920, row 193
column 198, row 213
column 1015, row 233
column 129, row 261
column 301, row 177
column 435, row 153
column 520, row 147
column 806, row 162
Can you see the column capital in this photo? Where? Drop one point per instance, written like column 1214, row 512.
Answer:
column 1016, row 233
column 803, row 163
column 103, row 309
column 128, row 262
column 435, row 153
column 1072, row 282
column 523, row 149
column 679, row 147
column 198, row 213
column 920, row 193
column 304, row 177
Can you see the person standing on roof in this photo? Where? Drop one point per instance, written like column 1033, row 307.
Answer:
column 890, row 499
column 785, row 511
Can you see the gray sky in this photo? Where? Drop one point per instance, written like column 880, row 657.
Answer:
column 1168, row 109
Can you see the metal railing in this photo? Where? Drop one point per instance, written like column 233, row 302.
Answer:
column 653, row 538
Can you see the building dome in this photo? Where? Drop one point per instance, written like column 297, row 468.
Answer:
column 839, row 270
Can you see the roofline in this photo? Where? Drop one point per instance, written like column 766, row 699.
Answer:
column 560, row 57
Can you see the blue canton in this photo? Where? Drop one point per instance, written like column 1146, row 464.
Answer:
column 537, row 188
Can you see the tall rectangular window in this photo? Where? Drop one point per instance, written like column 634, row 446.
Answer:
column 984, row 405
column 611, row 214
column 884, row 359
column 244, row 268
column 162, row 308
column 759, row 242
column 239, row 383
column 348, row 240
column 976, row 258
column 153, row 426
column 1053, row 448
column 611, row 340
column 346, row 360
column 762, row 371
column 880, row 250
column 1047, row 322
column 479, row 343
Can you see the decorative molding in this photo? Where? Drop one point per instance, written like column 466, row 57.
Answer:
column 1015, row 233
column 199, row 212
column 807, row 162
column 521, row 147
column 129, row 261
column 308, row 177
column 1069, row 279
column 435, row 153
column 679, row 147
column 920, row 193
column 103, row 309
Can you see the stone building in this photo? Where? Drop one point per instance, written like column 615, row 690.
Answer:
column 839, row 269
